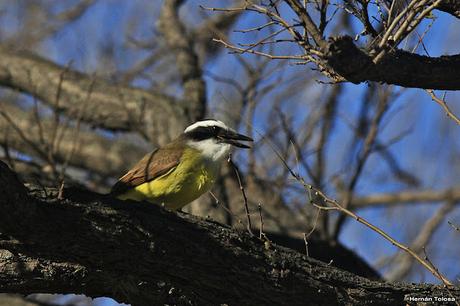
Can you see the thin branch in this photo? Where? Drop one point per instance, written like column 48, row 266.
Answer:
column 398, row 198
column 444, row 105
column 309, row 25
column 257, row 28
column 440, row 276
column 261, row 220
column 227, row 210
column 270, row 56
column 243, row 192
column 413, row 14
column 455, row 227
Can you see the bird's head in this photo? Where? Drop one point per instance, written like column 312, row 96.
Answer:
column 213, row 138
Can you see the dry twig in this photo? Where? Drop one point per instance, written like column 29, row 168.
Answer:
column 444, row 105
column 455, row 227
column 243, row 192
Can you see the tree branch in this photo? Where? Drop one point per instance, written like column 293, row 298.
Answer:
column 340, row 59
column 95, row 152
column 108, row 106
column 388, row 199
column 398, row 67
column 141, row 254
column 451, row 7
column 308, row 23
column 177, row 38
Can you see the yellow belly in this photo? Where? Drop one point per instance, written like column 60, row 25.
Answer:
column 181, row 185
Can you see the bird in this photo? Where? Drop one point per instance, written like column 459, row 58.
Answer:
column 181, row 171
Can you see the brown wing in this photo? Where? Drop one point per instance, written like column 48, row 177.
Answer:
column 151, row 166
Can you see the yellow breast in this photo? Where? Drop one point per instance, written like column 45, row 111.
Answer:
column 193, row 176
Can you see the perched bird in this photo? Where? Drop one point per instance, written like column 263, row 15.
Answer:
column 182, row 170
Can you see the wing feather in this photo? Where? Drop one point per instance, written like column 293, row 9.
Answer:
column 151, row 166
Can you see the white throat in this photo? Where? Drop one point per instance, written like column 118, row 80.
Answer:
column 211, row 149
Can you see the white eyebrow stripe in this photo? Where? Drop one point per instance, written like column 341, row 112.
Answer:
column 206, row 123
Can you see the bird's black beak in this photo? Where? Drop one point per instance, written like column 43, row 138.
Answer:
column 232, row 137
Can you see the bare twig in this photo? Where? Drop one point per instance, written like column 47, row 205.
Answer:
column 258, row 28
column 270, row 56
column 308, row 23
column 243, row 192
column 307, row 235
column 440, row 276
column 455, row 227
column 57, row 99
column 219, row 203
column 306, row 244
column 444, row 105
column 404, row 24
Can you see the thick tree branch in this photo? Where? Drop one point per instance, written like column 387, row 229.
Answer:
column 398, row 67
column 451, row 7
column 340, row 59
column 139, row 253
column 107, row 106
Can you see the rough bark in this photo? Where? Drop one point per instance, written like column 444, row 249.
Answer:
column 144, row 255
column 451, row 7
column 397, row 67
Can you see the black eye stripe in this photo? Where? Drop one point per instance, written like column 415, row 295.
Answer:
column 204, row 132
